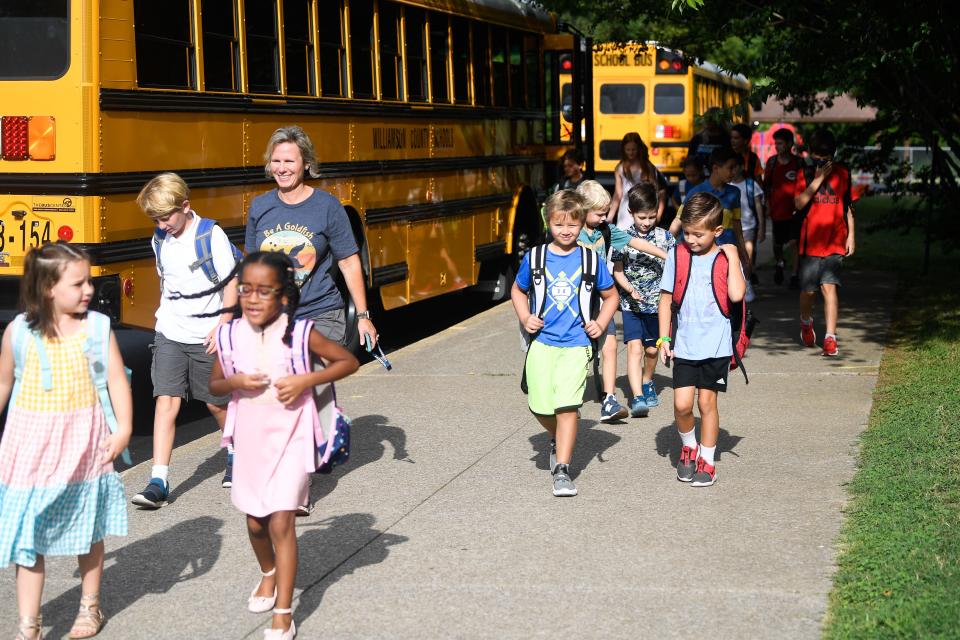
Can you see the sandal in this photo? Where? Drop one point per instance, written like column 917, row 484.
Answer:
column 281, row 634
column 89, row 618
column 29, row 625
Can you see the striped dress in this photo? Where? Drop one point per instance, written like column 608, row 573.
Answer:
column 59, row 493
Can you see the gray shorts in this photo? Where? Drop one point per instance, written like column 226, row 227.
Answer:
column 182, row 371
column 815, row 271
column 332, row 325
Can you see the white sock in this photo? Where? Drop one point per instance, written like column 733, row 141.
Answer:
column 806, row 320
column 831, row 335
column 160, row 471
column 689, row 438
column 707, row 453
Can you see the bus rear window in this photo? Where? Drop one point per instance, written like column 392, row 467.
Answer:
column 34, row 39
column 622, row 98
column 668, row 99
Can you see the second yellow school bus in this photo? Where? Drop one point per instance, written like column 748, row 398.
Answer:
column 659, row 94
column 430, row 120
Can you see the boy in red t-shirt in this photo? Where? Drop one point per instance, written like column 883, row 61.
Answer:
column 780, row 183
column 826, row 237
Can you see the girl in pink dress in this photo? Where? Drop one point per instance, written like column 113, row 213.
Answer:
column 271, row 420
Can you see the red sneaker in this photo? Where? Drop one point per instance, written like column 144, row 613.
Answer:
column 688, row 464
column 705, row 476
column 830, row 347
column 807, row 335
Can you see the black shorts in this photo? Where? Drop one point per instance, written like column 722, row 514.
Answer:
column 710, row 374
column 785, row 230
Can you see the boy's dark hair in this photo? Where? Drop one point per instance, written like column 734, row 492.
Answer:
column 738, row 160
column 42, row 269
column 565, row 201
column 642, row 197
column 721, row 155
column 575, row 154
column 783, row 134
column 745, row 131
column 282, row 267
column 702, row 208
column 823, row 142
column 692, row 161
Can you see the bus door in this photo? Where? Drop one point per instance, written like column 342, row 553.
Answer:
column 570, row 121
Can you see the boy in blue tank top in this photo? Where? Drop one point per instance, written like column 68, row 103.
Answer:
column 560, row 354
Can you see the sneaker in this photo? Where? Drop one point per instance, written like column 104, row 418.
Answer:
column 830, row 347
column 688, row 464
column 154, row 496
column 650, row 395
column 553, row 455
column 611, row 409
column 705, row 475
column 794, row 283
column 807, row 335
column 562, row 484
column 778, row 273
column 639, row 408
column 753, row 278
column 227, row 481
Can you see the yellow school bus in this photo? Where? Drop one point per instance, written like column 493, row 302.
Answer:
column 659, row 94
column 431, row 118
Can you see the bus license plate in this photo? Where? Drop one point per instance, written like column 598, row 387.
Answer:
column 17, row 236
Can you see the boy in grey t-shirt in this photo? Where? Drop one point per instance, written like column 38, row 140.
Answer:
column 703, row 346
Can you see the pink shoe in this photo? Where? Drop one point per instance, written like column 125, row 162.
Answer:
column 279, row 634
column 262, row 604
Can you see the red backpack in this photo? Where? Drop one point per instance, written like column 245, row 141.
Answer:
column 742, row 321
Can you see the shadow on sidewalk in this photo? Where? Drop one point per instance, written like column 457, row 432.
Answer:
column 369, row 437
column 152, row 565
column 669, row 445
column 354, row 538
column 592, row 442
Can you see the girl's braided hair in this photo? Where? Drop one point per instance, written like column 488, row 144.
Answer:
column 282, row 267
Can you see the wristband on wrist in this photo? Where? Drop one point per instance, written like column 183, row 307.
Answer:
column 663, row 339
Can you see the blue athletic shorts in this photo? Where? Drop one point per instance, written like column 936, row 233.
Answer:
column 641, row 326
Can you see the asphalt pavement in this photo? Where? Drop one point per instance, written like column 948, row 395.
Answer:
column 443, row 524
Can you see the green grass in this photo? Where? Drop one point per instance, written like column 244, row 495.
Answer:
column 899, row 568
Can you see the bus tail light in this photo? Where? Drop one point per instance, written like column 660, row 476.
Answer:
column 666, row 131
column 65, row 233
column 43, row 138
column 128, row 287
column 566, row 63
column 655, row 151
column 14, row 137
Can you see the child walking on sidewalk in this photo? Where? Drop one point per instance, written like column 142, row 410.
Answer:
column 560, row 354
column 701, row 346
column 272, row 421
column 59, row 493
column 638, row 276
column 605, row 238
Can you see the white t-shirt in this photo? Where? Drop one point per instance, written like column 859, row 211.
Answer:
column 175, row 317
column 748, row 214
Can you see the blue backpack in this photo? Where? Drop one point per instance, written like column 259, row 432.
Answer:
column 97, row 349
column 202, row 245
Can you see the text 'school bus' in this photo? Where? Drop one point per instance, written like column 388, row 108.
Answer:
column 659, row 94
column 434, row 123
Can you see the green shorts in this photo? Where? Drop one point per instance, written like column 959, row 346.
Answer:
column 556, row 378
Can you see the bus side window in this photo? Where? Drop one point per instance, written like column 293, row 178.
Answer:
column 333, row 53
column 439, row 57
column 460, row 31
column 221, row 49
column 481, row 64
column 517, row 96
column 668, row 99
column 298, row 47
column 361, row 47
column 164, row 43
column 415, row 47
column 391, row 63
column 260, row 18
column 498, row 55
column 532, row 57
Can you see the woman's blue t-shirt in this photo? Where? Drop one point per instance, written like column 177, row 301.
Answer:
column 562, row 326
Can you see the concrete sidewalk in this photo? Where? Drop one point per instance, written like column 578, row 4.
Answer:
column 443, row 523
